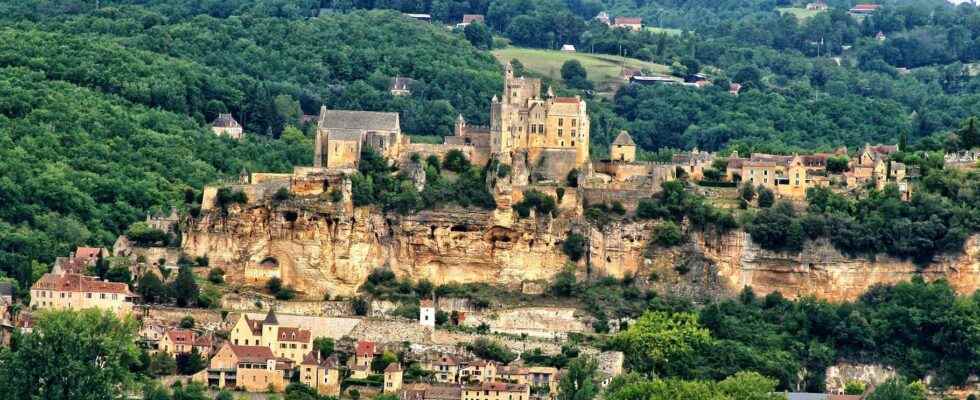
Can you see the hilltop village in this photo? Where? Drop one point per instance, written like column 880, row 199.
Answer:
column 299, row 253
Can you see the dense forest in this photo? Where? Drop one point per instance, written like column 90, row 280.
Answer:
column 922, row 329
column 104, row 112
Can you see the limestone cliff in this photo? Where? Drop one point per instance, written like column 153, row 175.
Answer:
column 822, row 271
column 322, row 248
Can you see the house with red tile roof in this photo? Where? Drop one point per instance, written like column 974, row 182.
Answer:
column 864, row 9
column 72, row 291
column 178, row 341
column 249, row 368
column 321, row 373
column 631, row 23
column 285, row 341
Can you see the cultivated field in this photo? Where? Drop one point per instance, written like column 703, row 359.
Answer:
column 604, row 70
column 799, row 12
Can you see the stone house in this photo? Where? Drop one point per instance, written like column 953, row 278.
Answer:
column 340, row 135
column 166, row 223
column 249, row 368
column 226, row 125
column 69, row 291
column 421, row 391
column 393, row 378
column 469, row 19
column 446, row 370
column 534, row 376
column 427, row 313
column 817, row 6
column 364, row 352
column 694, row 163
column 478, row 371
column 321, row 373
column 784, row 175
column 631, row 23
column 496, row 391
column 291, row 343
column 178, row 341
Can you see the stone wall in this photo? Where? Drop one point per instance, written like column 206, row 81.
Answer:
column 839, row 375
column 541, row 322
column 257, row 303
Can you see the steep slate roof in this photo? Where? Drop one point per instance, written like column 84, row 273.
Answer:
column 624, row 139
column 313, row 358
column 358, row 120
column 79, row 283
column 252, row 353
column 568, row 100
column 225, row 121
column 270, row 318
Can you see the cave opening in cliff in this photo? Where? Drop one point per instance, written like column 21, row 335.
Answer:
column 459, row 228
column 290, row 216
column 432, row 232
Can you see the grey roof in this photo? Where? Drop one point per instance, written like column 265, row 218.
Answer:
column 345, row 135
column 6, row 289
column 270, row 318
column 358, row 120
column 225, row 121
column 401, row 83
column 624, row 139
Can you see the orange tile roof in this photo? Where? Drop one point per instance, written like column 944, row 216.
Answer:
column 79, row 283
column 498, row 387
column 628, row 21
column 252, row 353
column 88, row 252
column 181, row 336
column 287, row 334
column 569, row 100
column 364, row 348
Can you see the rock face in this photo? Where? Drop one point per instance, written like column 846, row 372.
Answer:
column 323, row 248
column 330, row 250
column 822, row 271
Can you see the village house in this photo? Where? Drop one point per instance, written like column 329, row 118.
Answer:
column 545, row 378
column 291, row 343
column 70, row 291
column 321, row 373
column 469, row 19
column 631, row 23
column 393, row 378
column 422, row 391
column 623, row 148
column 478, row 371
column 177, row 341
column 226, row 125
column 621, row 172
column 784, row 175
column 446, row 370
column 694, row 163
column 82, row 259
column 248, row 368
column 364, row 352
column 864, row 9
column 6, row 316
column 496, row 391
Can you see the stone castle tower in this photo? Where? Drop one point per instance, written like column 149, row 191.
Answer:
column 523, row 120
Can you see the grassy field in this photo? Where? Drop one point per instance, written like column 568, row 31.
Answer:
column 800, row 13
column 604, row 70
column 669, row 31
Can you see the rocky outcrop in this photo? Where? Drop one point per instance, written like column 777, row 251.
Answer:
column 324, row 248
column 822, row 271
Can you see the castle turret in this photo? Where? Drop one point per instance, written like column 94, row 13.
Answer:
column 270, row 327
column 460, row 126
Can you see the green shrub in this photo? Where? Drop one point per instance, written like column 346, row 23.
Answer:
column 668, row 234
column 574, row 246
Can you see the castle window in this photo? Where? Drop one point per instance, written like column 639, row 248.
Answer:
column 573, row 143
column 560, row 121
column 573, row 133
column 574, row 122
column 559, row 132
column 563, row 143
